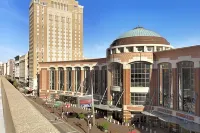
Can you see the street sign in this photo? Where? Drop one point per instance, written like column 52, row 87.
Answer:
column 85, row 105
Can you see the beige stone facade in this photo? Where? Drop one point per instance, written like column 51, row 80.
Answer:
column 56, row 33
column 132, row 78
column 23, row 69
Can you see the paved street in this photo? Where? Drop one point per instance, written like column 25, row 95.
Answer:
column 62, row 126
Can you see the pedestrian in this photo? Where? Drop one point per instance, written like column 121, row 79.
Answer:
column 90, row 125
column 62, row 114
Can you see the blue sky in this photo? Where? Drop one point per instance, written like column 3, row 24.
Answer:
column 104, row 20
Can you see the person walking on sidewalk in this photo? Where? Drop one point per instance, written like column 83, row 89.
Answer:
column 62, row 115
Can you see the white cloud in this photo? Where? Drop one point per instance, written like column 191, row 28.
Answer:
column 96, row 51
column 8, row 53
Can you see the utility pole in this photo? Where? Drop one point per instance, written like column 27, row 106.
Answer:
column 93, row 113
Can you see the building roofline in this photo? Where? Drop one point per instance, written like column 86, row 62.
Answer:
column 84, row 60
column 177, row 49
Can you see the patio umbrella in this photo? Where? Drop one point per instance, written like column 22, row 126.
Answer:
column 58, row 104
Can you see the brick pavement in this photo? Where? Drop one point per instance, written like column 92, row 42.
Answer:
column 81, row 125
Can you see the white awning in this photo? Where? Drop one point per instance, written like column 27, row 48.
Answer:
column 191, row 126
column 107, row 107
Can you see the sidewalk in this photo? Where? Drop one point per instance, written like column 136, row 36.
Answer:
column 81, row 125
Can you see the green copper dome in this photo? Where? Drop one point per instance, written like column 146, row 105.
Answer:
column 139, row 31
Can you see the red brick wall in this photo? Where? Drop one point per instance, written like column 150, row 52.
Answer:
column 174, row 54
column 126, row 86
column 43, row 79
column 108, row 84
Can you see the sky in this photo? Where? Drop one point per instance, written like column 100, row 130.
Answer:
column 104, row 20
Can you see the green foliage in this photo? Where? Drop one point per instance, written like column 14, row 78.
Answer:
column 15, row 84
column 81, row 116
column 104, row 126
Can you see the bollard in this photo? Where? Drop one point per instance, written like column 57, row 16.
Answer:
column 114, row 121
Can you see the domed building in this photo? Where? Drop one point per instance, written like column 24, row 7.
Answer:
column 141, row 79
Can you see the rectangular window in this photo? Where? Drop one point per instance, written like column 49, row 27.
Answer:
column 138, row 98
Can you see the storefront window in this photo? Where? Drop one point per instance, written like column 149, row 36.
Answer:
column 61, row 78
column 86, row 79
column 138, row 98
column 77, row 79
column 117, row 72
column 95, row 80
column 166, row 92
column 52, row 79
column 117, row 99
column 69, row 78
column 186, row 86
column 140, row 74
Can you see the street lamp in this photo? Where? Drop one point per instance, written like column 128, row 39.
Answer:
column 89, row 123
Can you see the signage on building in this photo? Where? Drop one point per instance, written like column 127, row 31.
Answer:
column 184, row 116
column 138, row 108
column 86, row 105
column 164, row 111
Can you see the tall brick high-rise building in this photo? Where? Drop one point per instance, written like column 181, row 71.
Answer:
column 55, row 33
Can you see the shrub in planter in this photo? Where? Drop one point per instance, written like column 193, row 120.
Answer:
column 81, row 116
column 104, row 127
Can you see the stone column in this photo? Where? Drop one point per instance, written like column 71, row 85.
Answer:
column 109, row 83
column 197, row 90
column 65, row 79
column 175, row 88
column 127, row 95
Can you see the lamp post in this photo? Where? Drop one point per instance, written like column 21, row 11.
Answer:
column 93, row 113
column 89, row 124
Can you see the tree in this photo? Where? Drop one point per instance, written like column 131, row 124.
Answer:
column 15, row 84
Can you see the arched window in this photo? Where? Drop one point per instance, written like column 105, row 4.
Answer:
column 117, row 74
column 140, row 74
column 52, row 78
column 96, row 79
column 69, row 78
column 77, row 79
column 165, row 89
column 61, row 78
column 86, row 80
column 104, row 78
column 186, row 86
